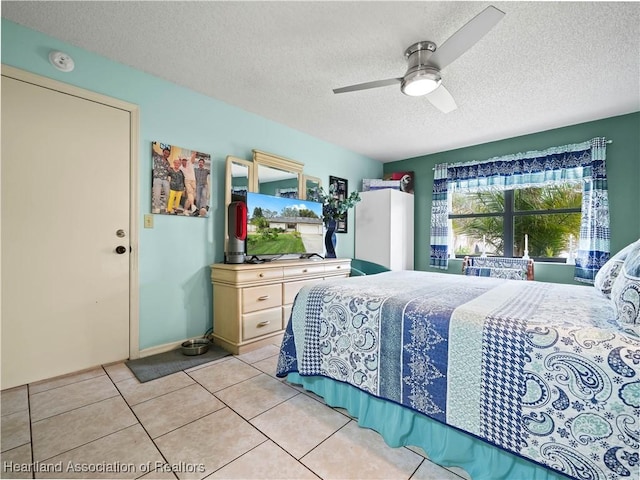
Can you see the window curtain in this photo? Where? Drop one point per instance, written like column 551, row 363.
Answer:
column 583, row 162
column 440, row 219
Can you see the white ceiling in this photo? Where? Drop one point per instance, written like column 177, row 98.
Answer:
column 545, row 65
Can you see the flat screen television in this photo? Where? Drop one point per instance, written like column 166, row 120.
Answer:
column 279, row 226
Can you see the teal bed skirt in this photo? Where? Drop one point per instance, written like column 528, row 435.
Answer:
column 446, row 446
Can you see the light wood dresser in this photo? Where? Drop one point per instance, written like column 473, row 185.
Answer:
column 252, row 302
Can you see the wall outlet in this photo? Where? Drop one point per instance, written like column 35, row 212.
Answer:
column 148, row 221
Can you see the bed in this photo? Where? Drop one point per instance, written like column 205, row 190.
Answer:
column 503, row 378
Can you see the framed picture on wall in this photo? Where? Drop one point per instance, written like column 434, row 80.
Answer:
column 181, row 181
column 340, row 189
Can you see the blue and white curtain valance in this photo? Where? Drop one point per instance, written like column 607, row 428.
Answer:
column 582, row 162
column 287, row 192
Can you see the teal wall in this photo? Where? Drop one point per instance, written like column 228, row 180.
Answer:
column 175, row 290
column 623, row 174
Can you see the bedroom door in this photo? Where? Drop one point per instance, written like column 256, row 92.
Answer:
column 65, row 232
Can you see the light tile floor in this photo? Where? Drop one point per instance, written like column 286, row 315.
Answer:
column 231, row 418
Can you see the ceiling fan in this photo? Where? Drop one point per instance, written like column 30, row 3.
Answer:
column 425, row 61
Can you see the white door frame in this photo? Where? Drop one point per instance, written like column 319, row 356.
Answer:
column 134, row 206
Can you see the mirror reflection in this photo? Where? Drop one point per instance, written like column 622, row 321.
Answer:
column 239, row 181
column 280, row 183
column 238, row 178
column 312, row 188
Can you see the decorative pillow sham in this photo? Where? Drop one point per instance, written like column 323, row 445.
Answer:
column 608, row 273
column 625, row 293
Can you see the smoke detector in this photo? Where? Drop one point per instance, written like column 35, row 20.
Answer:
column 61, row 61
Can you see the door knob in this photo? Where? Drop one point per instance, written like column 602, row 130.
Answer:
column 120, row 249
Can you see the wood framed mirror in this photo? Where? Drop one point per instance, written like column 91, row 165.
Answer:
column 278, row 176
column 268, row 174
column 238, row 181
column 239, row 178
column 312, row 186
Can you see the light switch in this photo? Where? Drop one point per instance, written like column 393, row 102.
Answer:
column 148, row 221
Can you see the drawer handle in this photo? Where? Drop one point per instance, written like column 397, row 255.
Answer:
column 261, row 275
column 305, row 270
column 338, row 267
column 264, row 323
column 264, row 297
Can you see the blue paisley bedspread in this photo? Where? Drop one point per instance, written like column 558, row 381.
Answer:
column 534, row 368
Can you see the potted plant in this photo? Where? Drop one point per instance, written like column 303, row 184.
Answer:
column 334, row 209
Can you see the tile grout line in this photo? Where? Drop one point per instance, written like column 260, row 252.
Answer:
column 82, row 445
column 30, row 430
column 142, row 426
column 319, row 399
column 196, row 382
column 299, row 461
column 118, row 394
column 165, row 393
column 71, row 410
column 248, row 421
column 208, row 364
column 280, row 446
column 52, row 416
column 267, row 437
column 303, row 392
column 71, row 383
column 323, row 441
column 240, row 456
column 160, row 395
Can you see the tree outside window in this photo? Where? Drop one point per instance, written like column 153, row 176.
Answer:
column 495, row 222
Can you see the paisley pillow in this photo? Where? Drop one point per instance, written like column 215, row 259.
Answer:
column 610, row 270
column 625, row 293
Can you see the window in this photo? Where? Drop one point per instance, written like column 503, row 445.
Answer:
column 565, row 165
column 496, row 222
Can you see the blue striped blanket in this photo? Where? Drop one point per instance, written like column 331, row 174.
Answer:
column 534, row 368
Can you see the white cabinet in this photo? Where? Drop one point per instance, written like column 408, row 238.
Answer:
column 384, row 228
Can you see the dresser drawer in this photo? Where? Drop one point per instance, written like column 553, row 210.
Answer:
column 291, row 289
column 246, row 276
column 343, row 268
column 260, row 323
column 260, row 298
column 303, row 270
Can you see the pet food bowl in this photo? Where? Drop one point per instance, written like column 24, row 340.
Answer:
column 197, row 346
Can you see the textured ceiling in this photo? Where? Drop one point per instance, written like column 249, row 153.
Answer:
column 545, row 65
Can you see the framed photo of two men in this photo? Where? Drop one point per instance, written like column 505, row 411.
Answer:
column 180, row 182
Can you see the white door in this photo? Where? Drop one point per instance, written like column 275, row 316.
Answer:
column 65, row 195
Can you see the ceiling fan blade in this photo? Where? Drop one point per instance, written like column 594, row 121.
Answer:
column 466, row 37
column 365, row 86
column 442, row 99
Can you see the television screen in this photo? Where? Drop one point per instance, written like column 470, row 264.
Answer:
column 283, row 226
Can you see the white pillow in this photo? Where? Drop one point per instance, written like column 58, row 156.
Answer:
column 625, row 294
column 610, row 270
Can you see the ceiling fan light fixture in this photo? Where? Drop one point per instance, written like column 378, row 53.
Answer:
column 421, row 82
